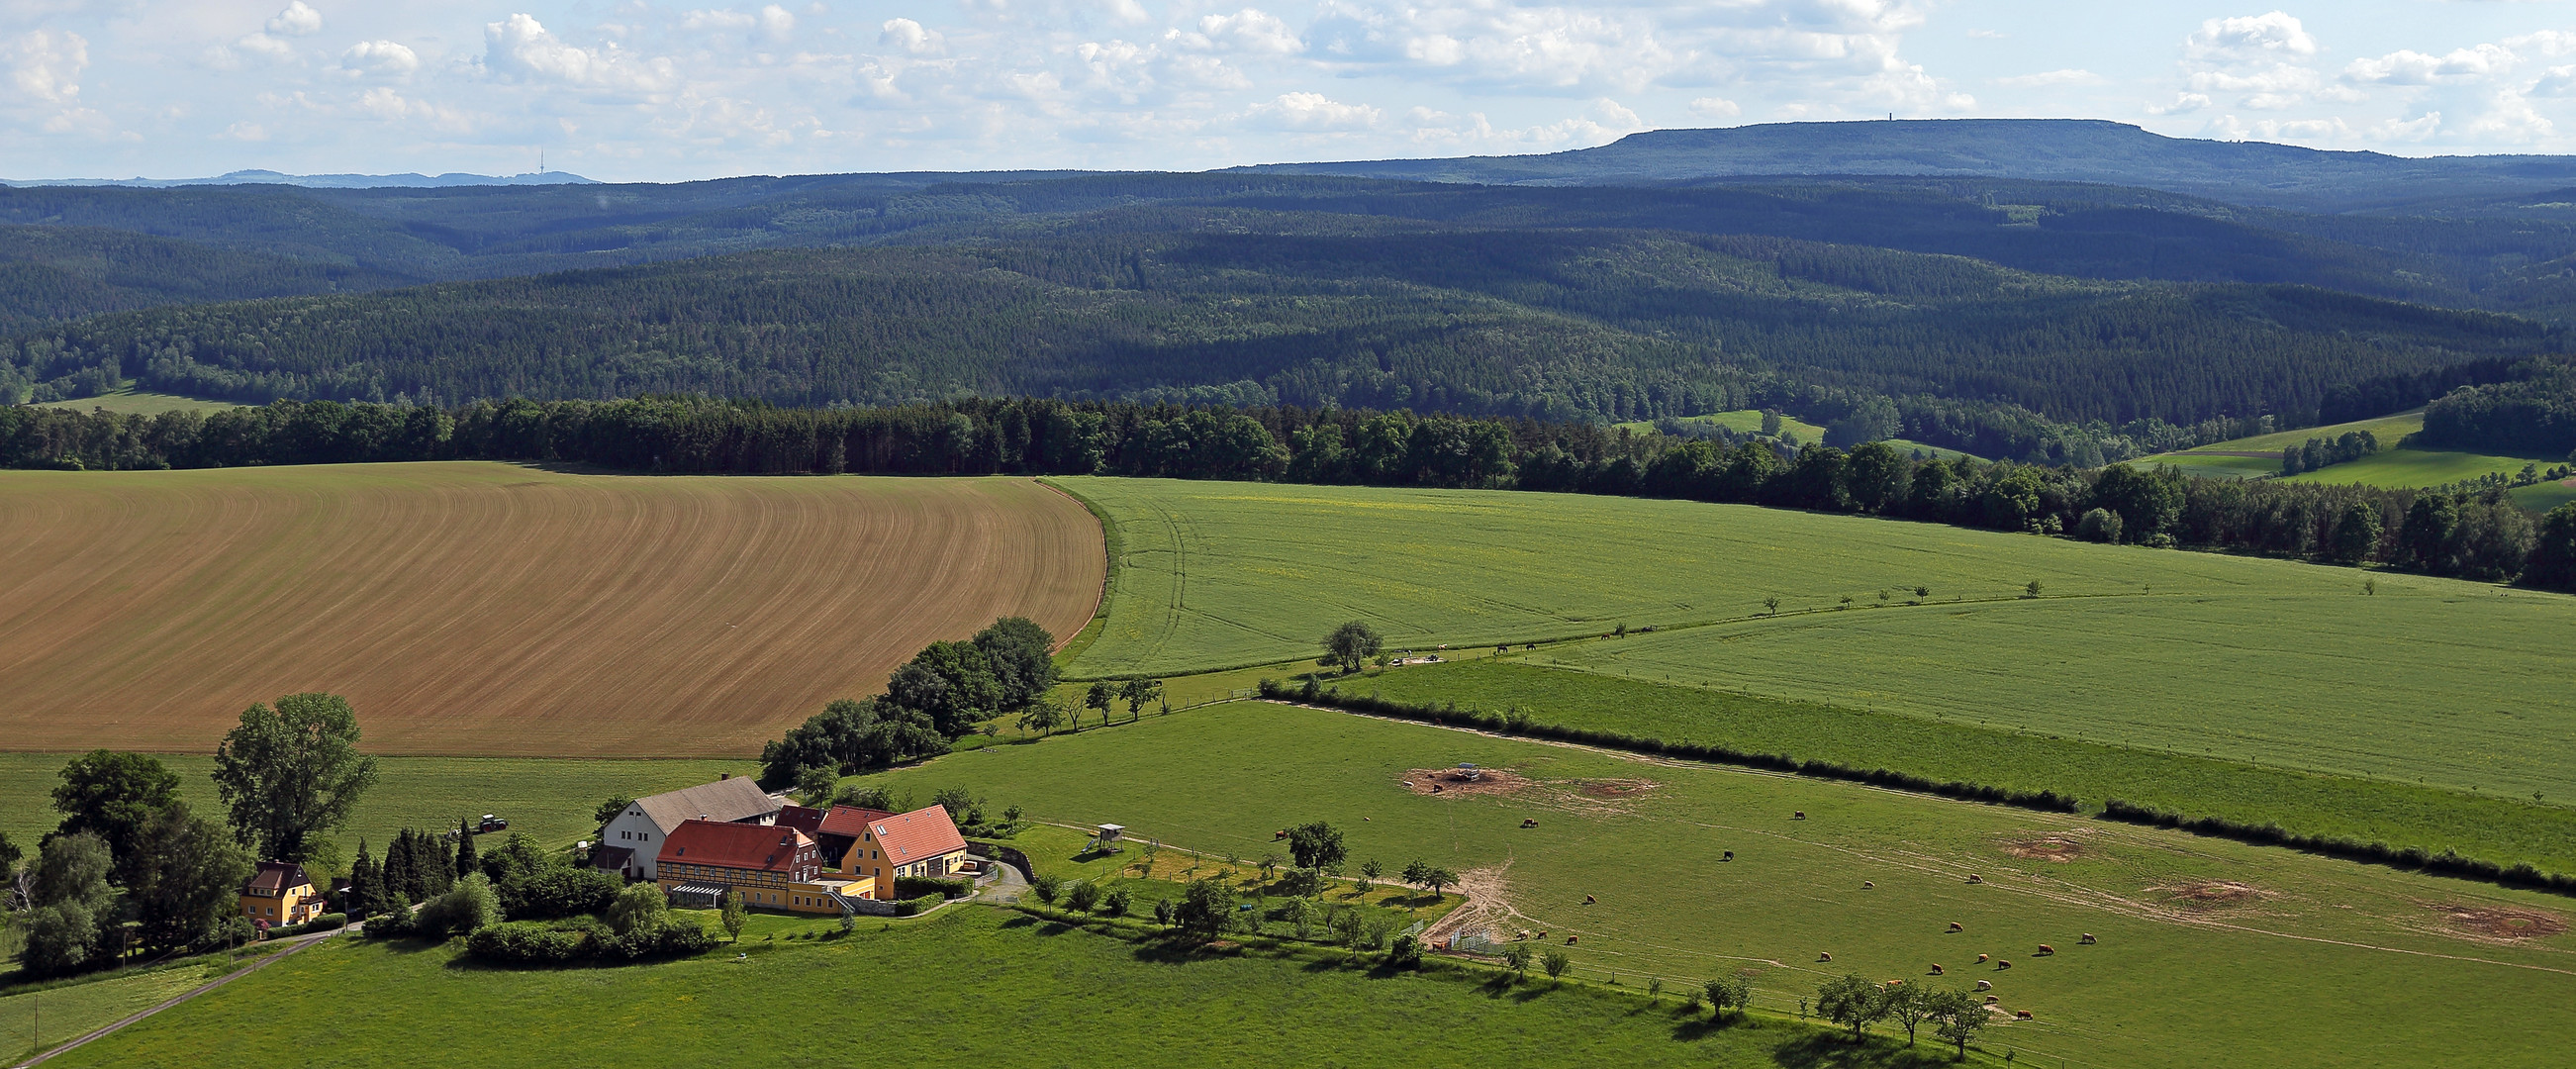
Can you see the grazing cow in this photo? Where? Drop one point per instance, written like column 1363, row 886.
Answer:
column 1542, row 935
column 1436, row 788
column 1799, row 815
column 2021, row 1015
column 2086, row 939
column 1824, row 955
column 1277, row 835
column 1991, row 1000
column 1936, row 969
column 2047, row 949
column 1954, row 926
column 1588, row 900
column 2002, row 965
column 1974, row 878
column 1984, row 958
column 1730, row 856
column 1868, row 886
column 1985, row 985
column 1529, row 822
column 1569, row 940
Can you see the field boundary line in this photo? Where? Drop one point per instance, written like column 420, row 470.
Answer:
column 115, row 1026
column 1111, row 548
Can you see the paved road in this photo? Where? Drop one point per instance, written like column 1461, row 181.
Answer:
column 1008, row 883
column 292, row 945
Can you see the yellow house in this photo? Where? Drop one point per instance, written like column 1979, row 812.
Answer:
column 280, row 894
column 923, row 842
column 775, row 868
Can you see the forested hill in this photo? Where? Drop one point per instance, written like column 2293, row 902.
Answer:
column 1315, row 310
column 2081, row 150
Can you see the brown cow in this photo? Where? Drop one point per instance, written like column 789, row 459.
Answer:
column 1936, row 969
column 2002, row 965
column 1984, row 958
column 1985, row 985
column 1569, row 940
column 2021, row 1015
column 1868, row 886
column 2085, row 939
column 1954, row 926
column 1588, row 900
column 1824, row 955
column 2047, row 949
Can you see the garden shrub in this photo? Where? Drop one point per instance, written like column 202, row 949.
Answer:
column 944, row 886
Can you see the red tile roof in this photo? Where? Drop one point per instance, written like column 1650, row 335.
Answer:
column 801, row 818
column 847, row 821
column 738, row 846
column 913, row 836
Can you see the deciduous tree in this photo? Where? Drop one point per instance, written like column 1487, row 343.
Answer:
column 292, row 773
column 114, row 795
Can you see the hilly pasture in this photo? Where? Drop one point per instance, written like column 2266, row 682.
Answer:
column 2210, row 952
column 492, row 609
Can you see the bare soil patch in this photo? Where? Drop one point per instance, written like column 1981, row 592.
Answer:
column 497, row 610
column 1450, row 781
column 2058, row 848
column 1613, row 789
column 2209, row 894
column 2502, row 923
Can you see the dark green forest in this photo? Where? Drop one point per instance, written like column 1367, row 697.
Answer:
column 1254, row 308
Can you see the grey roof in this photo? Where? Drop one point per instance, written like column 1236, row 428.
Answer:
column 726, row 800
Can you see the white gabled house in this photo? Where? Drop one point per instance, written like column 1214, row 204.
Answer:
column 630, row 844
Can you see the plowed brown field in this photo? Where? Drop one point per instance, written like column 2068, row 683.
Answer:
column 490, row 609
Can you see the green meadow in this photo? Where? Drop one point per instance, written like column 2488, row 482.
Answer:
column 131, row 402
column 549, row 798
column 2501, row 828
column 1746, row 421
column 2419, row 467
column 34, row 1020
column 2210, row 952
column 967, row 986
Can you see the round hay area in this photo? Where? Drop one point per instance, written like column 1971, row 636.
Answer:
column 2056, row 848
column 1453, row 781
column 2211, row 894
column 2502, row 923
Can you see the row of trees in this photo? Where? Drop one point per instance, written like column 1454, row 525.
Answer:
column 946, row 692
column 2477, row 536
column 2317, row 453
column 132, row 867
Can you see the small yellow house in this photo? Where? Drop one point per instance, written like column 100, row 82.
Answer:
column 280, row 894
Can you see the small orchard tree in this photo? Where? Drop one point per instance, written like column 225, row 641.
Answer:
column 1439, row 878
column 1851, row 1001
column 1417, row 873
column 1517, row 956
column 1556, row 963
column 735, row 912
column 1165, row 913
column 1351, row 645
column 1097, row 699
column 1083, row 897
column 1139, row 693
column 1956, row 1016
column 1046, row 887
column 1316, row 845
column 1206, row 909
column 1728, row 993
column 1909, row 1005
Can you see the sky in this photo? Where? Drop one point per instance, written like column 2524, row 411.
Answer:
column 639, row 91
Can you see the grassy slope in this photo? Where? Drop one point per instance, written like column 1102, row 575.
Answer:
column 2229, row 657
column 141, row 403
column 1749, row 421
column 2332, row 953
column 551, row 799
column 2393, row 467
column 61, row 1014
column 2499, row 828
column 2418, row 467
column 966, row 987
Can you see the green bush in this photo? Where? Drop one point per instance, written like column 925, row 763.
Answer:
column 527, row 943
column 915, row 906
column 1083, row 897
column 944, row 886
column 323, row 923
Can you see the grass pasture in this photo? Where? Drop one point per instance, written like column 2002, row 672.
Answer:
column 2211, row 952
column 493, row 609
column 967, row 986
column 1747, row 421
column 34, row 1020
column 131, row 402
column 2493, row 826
column 2419, row 467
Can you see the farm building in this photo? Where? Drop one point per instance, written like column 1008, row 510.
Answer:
column 280, row 894
column 923, row 842
column 774, row 868
column 631, row 844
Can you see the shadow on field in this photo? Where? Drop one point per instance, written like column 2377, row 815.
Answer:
column 1834, row 1050
column 1698, row 1024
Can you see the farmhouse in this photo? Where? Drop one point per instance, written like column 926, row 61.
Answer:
column 280, row 894
column 631, row 844
column 923, row 842
column 774, row 868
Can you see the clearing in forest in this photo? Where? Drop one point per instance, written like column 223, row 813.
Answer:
column 492, row 609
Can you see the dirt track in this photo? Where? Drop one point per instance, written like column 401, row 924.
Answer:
column 496, row 610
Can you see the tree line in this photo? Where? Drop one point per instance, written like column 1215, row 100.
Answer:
column 2480, row 535
column 945, row 693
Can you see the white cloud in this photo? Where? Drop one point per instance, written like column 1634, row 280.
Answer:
column 1248, row 30
column 1715, row 108
column 2045, row 79
column 521, row 50
column 45, row 67
column 2183, row 104
column 2409, row 67
column 381, row 59
column 911, row 37
column 2262, row 60
column 2271, row 37
column 1311, row 112
column 298, row 20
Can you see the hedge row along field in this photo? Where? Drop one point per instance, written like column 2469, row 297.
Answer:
column 2209, row 952
column 493, row 609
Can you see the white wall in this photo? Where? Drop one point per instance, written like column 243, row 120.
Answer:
column 635, row 831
